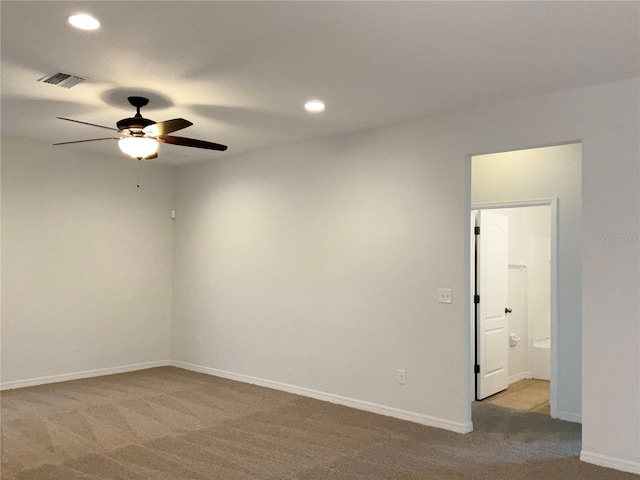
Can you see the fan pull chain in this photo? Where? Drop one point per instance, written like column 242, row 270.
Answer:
column 138, row 174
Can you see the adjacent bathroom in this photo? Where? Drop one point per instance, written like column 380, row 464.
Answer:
column 529, row 288
column 528, row 312
column 528, row 321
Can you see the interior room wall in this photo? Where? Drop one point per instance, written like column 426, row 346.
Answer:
column 310, row 266
column 86, row 263
column 317, row 266
column 518, row 324
column 539, row 301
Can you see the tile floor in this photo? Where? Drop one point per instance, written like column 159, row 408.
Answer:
column 530, row 395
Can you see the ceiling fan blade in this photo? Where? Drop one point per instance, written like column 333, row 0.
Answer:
column 87, row 123
column 168, row 126
column 89, row 140
column 191, row 142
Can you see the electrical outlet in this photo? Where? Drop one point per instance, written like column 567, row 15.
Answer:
column 402, row 377
column 444, row 295
column 199, row 342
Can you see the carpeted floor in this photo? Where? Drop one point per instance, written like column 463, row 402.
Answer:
column 171, row 424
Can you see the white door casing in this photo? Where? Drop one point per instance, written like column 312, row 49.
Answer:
column 492, row 287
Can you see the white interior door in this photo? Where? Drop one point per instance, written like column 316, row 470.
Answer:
column 492, row 286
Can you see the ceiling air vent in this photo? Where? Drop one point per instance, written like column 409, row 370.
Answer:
column 63, row 80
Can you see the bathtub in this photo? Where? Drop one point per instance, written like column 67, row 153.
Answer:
column 541, row 359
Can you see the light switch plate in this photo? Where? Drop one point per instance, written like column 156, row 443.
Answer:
column 444, row 295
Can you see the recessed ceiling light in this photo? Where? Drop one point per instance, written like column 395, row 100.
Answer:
column 84, row 21
column 314, row 106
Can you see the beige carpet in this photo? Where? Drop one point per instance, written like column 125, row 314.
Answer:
column 167, row 423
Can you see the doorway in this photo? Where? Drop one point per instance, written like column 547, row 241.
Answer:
column 552, row 176
column 512, row 289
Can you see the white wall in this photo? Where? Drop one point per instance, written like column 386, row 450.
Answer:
column 313, row 266
column 317, row 265
column 519, row 362
column 86, row 262
column 539, row 299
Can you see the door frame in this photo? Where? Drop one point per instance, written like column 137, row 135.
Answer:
column 553, row 204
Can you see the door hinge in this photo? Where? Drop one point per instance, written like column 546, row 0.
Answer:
column 476, row 368
column 476, row 230
column 476, row 299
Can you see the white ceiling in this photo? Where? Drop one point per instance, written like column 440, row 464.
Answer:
column 241, row 71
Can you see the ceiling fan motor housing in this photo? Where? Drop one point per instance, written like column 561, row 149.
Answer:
column 136, row 123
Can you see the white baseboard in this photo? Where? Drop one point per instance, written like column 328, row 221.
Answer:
column 610, row 462
column 520, row 376
column 329, row 397
column 30, row 382
column 568, row 416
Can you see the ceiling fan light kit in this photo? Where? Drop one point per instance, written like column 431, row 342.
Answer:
column 138, row 147
column 140, row 137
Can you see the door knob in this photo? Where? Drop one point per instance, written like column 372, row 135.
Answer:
column 507, row 310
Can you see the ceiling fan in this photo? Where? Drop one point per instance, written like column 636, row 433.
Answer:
column 140, row 137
